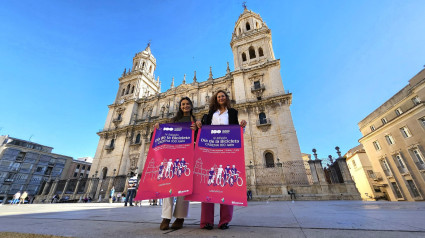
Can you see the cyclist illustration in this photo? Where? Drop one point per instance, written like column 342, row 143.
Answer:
column 211, row 176
column 161, row 171
column 183, row 169
column 226, row 175
column 235, row 177
column 219, row 180
column 176, row 166
column 168, row 170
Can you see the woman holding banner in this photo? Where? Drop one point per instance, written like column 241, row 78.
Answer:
column 220, row 113
column 185, row 114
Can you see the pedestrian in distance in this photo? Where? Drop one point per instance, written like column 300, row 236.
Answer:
column 119, row 197
column 111, row 195
column 23, row 197
column 131, row 190
column 55, row 198
column 16, row 197
column 249, row 194
column 220, row 113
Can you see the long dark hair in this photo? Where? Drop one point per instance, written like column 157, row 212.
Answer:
column 214, row 106
column 180, row 113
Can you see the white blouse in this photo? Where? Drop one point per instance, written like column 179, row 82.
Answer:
column 220, row 119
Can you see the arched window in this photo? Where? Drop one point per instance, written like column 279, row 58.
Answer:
column 243, row 56
column 262, row 117
column 143, row 65
column 251, row 52
column 112, row 143
column 128, row 89
column 150, row 69
column 136, row 64
column 248, row 27
column 119, row 116
column 256, row 24
column 104, row 172
column 260, row 52
column 132, row 89
column 137, row 139
column 123, row 91
column 269, row 160
column 240, row 31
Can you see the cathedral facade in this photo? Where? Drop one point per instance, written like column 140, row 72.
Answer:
column 254, row 86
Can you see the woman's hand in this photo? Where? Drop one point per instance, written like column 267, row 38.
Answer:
column 193, row 126
column 156, row 126
column 243, row 123
column 198, row 124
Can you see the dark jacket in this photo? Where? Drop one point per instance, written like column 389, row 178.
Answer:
column 233, row 117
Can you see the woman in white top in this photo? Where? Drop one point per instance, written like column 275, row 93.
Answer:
column 220, row 113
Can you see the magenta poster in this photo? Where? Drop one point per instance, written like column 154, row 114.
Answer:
column 168, row 168
column 219, row 169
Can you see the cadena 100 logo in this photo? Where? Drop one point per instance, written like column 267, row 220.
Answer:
column 168, row 129
column 215, row 131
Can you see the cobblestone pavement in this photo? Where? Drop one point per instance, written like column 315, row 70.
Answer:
column 259, row 219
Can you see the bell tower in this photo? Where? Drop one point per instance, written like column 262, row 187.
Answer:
column 257, row 71
column 251, row 41
column 139, row 81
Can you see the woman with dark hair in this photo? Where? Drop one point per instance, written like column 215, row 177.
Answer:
column 185, row 114
column 220, row 113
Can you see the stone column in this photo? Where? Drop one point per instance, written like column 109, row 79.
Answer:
column 313, row 172
column 342, row 164
column 99, row 185
column 54, row 186
column 4, row 198
column 65, row 187
column 47, row 185
column 89, row 185
column 108, row 190
column 76, row 187
column 319, row 171
column 252, row 177
column 126, row 184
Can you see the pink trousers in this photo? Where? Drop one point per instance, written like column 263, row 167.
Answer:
column 207, row 214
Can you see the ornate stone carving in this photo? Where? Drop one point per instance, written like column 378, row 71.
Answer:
column 133, row 161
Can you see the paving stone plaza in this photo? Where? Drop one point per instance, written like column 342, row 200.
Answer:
column 259, row 219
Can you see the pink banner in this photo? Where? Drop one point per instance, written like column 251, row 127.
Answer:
column 169, row 164
column 219, row 170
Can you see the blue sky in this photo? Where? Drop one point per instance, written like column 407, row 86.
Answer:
column 60, row 60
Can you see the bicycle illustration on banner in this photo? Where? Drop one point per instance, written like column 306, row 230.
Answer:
column 171, row 169
column 224, row 176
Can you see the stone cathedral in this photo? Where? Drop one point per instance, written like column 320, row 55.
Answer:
column 255, row 88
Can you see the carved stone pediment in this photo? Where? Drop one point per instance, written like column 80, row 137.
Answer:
column 133, row 161
column 183, row 88
column 120, row 109
column 256, row 77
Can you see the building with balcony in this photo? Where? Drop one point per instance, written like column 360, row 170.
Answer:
column 367, row 181
column 394, row 140
column 79, row 168
column 27, row 166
